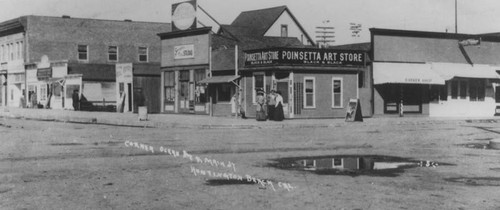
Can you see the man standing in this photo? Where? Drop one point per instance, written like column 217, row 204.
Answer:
column 76, row 100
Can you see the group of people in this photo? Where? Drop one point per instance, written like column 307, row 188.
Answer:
column 269, row 107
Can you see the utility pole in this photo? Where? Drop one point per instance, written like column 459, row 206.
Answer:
column 325, row 35
column 456, row 19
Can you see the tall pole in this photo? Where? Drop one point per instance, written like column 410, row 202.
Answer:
column 456, row 24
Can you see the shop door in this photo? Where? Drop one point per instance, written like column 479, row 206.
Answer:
column 184, row 91
column 409, row 95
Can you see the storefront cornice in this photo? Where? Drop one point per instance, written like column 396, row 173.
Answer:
column 436, row 35
column 305, row 68
column 186, row 67
column 192, row 32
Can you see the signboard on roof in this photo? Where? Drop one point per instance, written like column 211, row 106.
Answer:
column 304, row 56
column 184, row 15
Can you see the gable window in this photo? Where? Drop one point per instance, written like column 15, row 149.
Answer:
column 112, row 53
column 83, row 52
column 143, row 54
column 337, row 94
column 284, row 30
column 258, row 83
column 310, row 92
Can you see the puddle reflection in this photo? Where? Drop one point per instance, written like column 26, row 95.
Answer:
column 353, row 165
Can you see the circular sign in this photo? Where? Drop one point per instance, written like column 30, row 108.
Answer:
column 184, row 16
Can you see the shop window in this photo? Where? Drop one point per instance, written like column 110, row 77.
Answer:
column 309, row 92
column 9, row 52
column 458, row 89
column 258, row 83
column 337, row 93
column 169, row 87
column 83, row 52
column 143, row 54
column 112, row 53
column 224, row 92
column 70, row 89
column 200, row 89
column 284, row 30
column 20, row 51
column 43, row 92
column 497, row 94
column 438, row 93
column 477, row 90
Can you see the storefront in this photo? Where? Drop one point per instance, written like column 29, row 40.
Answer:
column 50, row 85
column 314, row 83
column 435, row 74
column 137, row 85
column 184, row 64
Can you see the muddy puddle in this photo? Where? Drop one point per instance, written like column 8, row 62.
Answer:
column 353, row 165
column 476, row 181
column 476, row 146
column 219, row 182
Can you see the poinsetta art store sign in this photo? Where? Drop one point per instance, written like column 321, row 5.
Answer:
column 299, row 56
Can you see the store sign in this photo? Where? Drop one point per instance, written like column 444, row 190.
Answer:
column 310, row 57
column 124, row 72
column 44, row 73
column 184, row 15
column 418, row 80
column 184, row 51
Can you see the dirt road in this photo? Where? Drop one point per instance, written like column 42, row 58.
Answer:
column 51, row 165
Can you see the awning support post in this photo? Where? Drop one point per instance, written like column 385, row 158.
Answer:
column 401, row 107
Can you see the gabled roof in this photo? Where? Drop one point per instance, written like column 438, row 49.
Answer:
column 257, row 22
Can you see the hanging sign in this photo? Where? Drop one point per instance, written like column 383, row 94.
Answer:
column 184, row 15
column 44, row 73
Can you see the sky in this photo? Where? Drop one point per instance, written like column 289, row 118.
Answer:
column 474, row 16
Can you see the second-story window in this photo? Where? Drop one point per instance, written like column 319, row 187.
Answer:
column 284, row 30
column 143, row 54
column 112, row 53
column 83, row 53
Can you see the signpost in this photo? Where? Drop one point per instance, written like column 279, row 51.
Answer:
column 353, row 112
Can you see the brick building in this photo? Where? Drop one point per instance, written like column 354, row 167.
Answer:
column 43, row 59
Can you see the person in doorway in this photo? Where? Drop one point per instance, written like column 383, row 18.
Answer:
column 76, row 100
column 34, row 101
column 240, row 105
column 260, row 113
column 278, row 110
column 234, row 104
column 271, row 104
